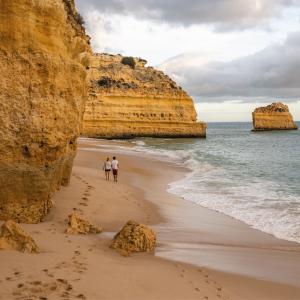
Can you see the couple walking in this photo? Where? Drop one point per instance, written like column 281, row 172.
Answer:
column 111, row 166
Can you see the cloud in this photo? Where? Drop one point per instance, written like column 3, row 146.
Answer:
column 224, row 14
column 272, row 73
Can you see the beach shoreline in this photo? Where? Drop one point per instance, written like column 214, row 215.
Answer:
column 97, row 272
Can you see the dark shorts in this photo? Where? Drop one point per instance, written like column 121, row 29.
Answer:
column 107, row 170
column 115, row 172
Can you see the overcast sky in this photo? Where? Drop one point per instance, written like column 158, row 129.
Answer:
column 230, row 55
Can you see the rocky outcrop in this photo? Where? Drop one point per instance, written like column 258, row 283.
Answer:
column 128, row 100
column 275, row 116
column 43, row 61
column 78, row 225
column 13, row 237
column 134, row 237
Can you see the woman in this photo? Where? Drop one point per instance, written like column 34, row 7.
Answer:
column 107, row 168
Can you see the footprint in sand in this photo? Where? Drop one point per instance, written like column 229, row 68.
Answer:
column 17, row 273
column 83, row 204
column 78, row 259
column 183, row 274
column 47, row 273
column 53, row 289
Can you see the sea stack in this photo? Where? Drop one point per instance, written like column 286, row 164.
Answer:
column 275, row 116
column 128, row 99
column 43, row 59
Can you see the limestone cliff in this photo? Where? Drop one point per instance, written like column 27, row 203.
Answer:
column 275, row 116
column 128, row 99
column 43, row 59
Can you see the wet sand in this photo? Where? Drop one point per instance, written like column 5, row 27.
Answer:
column 83, row 267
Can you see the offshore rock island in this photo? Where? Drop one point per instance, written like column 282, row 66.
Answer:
column 128, row 99
column 275, row 116
column 42, row 97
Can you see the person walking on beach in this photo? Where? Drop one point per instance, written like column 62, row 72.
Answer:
column 115, row 167
column 107, row 168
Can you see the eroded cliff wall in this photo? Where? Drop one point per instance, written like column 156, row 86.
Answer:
column 128, row 99
column 43, row 58
column 275, row 116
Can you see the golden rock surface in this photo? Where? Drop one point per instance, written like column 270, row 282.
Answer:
column 134, row 237
column 275, row 116
column 77, row 225
column 128, row 100
column 13, row 237
column 44, row 54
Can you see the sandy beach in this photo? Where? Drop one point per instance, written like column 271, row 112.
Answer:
column 201, row 254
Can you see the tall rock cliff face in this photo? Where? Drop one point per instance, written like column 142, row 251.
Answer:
column 43, row 58
column 273, row 117
column 128, row 100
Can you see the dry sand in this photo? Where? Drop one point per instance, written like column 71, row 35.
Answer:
column 83, row 267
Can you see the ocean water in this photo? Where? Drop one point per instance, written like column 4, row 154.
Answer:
column 253, row 177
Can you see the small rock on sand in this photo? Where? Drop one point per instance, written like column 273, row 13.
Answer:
column 78, row 225
column 134, row 237
column 13, row 237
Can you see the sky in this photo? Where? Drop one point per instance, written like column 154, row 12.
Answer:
column 229, row 55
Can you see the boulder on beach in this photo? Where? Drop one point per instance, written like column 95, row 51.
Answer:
column 13, row 237
column 134, row 237
column 77, row 225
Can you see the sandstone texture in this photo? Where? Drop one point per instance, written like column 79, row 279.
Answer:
column 129, row 100
column 77, row 225
column 13, row 237
column 43, row 59
column 275, row 116
column 134, row 237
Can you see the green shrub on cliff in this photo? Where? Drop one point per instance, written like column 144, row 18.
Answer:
column 129, row 61
column 80, row 20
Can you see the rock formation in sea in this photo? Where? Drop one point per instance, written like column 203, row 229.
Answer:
column 44, row 55
column 13, row 237
column 134, row 237
column 128, row 99
column 275, row 116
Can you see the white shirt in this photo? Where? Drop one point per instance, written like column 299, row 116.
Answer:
column 115, row 164
column 107, row 165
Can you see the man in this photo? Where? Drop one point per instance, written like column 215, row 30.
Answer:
column 115, row 167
